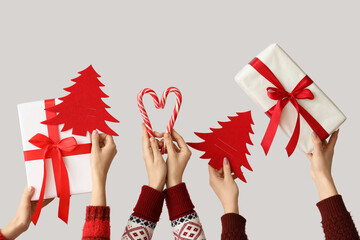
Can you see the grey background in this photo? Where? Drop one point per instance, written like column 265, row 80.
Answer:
column 197, row 46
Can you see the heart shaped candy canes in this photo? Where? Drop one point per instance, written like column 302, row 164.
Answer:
column 159, row 105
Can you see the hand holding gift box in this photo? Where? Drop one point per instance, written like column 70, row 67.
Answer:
column 273, row 80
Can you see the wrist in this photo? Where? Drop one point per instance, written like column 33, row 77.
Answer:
column 98, row 180
column 173, row 182
column 231, row 208
column 326, row 187
column 159, row 186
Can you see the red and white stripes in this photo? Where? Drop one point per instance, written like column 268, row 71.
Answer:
column 159, row 105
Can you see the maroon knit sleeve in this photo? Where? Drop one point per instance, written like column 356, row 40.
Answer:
column 97, row 223
column 149, row 205
column 336, row 220
column 233, row 227
column 1, row 236
column 178, row 201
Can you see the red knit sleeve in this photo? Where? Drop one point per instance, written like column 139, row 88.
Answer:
column 233, row 227
column 97, row 223
column 1, row 236
column 149, row 205
column 184, row 220
column 178, row 201
column 336, row 220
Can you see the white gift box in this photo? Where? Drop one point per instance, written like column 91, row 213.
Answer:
column 325, row 112
column 78, row 166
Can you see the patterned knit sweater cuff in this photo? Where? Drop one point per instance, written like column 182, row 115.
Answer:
column 149, row 205
column 332, row 206
column 97, row 223
column 1, row 236
column 232, row 222
column 178, row 201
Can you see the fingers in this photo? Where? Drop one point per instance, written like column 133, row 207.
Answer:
column 145, row 138
column 227, row 169
column 158, row 135
column 333, row 139
column 155, row 148
column 169, row 144
column 309, row 155
column 28, row 194
column 178, row 138
column 316, row 141
column 95, row 140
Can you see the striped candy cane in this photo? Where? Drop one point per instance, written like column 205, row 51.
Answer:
column 159, row 105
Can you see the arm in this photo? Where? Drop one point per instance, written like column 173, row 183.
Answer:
column 184, row 220
column 97, row 221
column 223, row 184
column 336, row 220
column 22, row 219
column 142, row 221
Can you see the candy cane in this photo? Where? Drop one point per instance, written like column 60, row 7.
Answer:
column 160, row 105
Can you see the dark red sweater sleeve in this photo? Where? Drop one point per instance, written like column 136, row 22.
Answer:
column 1, row 236
column 178, row 201
column 97, row 223
column 149, row 205
column 336, row 220
column 233, row 227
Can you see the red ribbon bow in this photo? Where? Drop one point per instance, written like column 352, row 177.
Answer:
column 52, row 147
column 54, row 151
column 283, row 97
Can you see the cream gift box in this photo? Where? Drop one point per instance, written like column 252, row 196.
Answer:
column 78, row 166
column 289, row 74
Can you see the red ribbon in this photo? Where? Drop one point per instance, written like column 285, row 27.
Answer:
column 283, row 97
column 52, row 147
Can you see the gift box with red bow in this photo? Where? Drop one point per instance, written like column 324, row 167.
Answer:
column 290, row 98
column 57, row 163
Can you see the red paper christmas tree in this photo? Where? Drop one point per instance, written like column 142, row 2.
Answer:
column 230, row 142
column 83, row 110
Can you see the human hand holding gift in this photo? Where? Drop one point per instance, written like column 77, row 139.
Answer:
column 321, row 163
column 21, row 222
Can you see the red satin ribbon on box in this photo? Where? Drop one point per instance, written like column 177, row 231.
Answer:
column 283, row 97
column 52, row 147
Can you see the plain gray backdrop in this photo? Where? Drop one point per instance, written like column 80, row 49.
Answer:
column 197, row 46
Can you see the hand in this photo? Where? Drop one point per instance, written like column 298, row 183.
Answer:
column 103, row 152
column 223, row 184
column 321, row 162
column 22, row 219
column 154, row 162
column 178, row 157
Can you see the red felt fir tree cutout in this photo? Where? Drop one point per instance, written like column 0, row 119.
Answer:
column 230, row 142
column 83, row 110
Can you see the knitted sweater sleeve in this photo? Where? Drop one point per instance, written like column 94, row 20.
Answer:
column 97, row 223
column 2, row 237
column 336, row 220
column 184, row 220
column 142, row 221
column 233, row 227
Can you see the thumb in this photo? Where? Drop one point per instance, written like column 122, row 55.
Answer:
column 227, row 169
column 95, row 140
column 169, row 144
column 28, row 194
